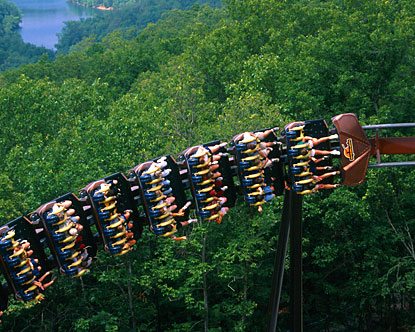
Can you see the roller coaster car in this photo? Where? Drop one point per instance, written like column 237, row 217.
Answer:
column 210, row 179
column 173, row 175
column 274, row 175
column 226, row 171
column 355, row 149
column 27, row 230
column 111, row 203
column 168, row 182
column 66, row 246
column 141, row 179
column 125, row 201
column 23, row 230
column 305, row 140
column 259, row 166
column 319, row 129
column 162, row 194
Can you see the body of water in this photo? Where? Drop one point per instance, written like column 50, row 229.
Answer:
column 42, row 20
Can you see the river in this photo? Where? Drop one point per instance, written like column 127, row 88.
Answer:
column 42, row 20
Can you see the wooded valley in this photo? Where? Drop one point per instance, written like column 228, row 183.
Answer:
column 120, row 91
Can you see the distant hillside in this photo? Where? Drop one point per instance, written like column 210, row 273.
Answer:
column 13, row 51
column 110, row 4
column 119, row 3
column 130, row 18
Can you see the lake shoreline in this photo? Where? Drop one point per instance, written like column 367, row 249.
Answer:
column 42, row 21
column 100, row 7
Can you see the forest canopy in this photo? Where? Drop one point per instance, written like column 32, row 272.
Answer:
column 129, row 19
column 207, row 73
column 140, row 3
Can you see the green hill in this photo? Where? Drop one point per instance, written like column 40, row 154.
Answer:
column 129, row 20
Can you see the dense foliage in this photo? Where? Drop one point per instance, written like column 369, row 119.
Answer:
column 210, row 73
column 13, row 51
column 105, row 3
column 142, row 3
column 129, row 19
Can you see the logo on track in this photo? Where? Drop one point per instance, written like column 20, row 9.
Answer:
column 348, row 149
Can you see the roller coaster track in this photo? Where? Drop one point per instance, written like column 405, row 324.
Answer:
column 301, row 159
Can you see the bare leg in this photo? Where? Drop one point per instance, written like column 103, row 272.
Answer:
column 264, row 145
column 326, row 152
column 171, row 208
column 70, row 212
column 66, row 204
column 48, row 284
column 269, row 162
column 44, row 276
column 217, row 147
column 185, row 207
column 180, row 238
column 216, row 157
column 322, row 152
column 317, row 141
column 127, row 214
column 265, row 133
column 318, row 160
column 170, row 200
column 216, row 175
column 26, row 245
column 214, row 167
column 325, row 186
column 324, row 168
column 224, row 210
column 265, row 152
column 319, row 178
column 222, row 200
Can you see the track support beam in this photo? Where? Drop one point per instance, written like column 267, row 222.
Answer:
column 278, row 274
column 296, row 263
column 291, row 227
